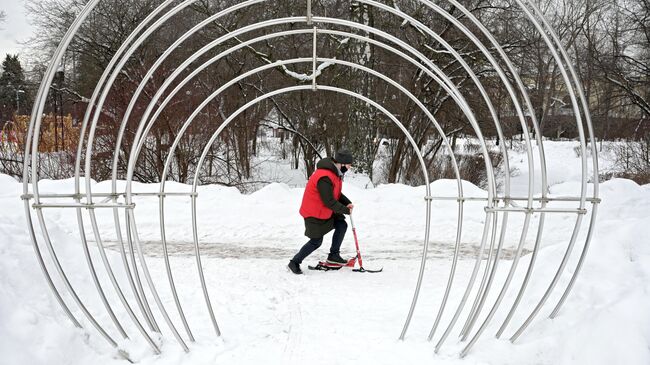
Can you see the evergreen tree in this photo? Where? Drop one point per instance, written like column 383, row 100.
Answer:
column 12, row 88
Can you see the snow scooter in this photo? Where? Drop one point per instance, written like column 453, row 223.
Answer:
column 327, row 266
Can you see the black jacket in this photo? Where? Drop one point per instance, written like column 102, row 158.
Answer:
column 314, row 227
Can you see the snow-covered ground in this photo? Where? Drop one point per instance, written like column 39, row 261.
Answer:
column 268, row 315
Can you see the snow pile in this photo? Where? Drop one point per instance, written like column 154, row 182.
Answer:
column 267, row 315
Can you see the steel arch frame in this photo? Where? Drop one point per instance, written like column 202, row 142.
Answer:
column 533, row 14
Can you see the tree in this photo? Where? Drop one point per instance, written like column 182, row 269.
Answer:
column 624, row 60
column 630, row 55
column 12, row 88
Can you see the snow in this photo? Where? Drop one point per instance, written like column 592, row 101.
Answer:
column 305, row 77
column 268, row 315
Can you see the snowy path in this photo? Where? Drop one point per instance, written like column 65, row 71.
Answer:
column 405, row 250
column 318, row 318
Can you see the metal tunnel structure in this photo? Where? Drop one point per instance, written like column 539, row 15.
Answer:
column 498, row 205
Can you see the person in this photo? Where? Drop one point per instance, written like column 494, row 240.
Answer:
column 323, row 208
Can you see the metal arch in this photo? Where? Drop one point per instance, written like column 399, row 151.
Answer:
column 310, row 87
column 576, row 109
column 34, row 125
column 189, row 77
column 542, row 160
column 168, row 98
column 141, row 302
column 537, row 242
column 480, row 298
column 131, row 227
column 477, row 130
column 178, row 88
column 130, row 217
column 540, row 145
column 185, row 64
column 488, row 167
column 594, row 157
column 91, row 212
column 482, row 294
column 583, row 149
column 100, row 247
column 573, row 238
column 490, row 176
column 233, row 81
column 544, row 191
column 544, row 186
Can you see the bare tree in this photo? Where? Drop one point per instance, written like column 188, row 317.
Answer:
column 608, row 43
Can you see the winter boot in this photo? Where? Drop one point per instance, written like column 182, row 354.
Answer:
column 335, row 258
column 294, row 267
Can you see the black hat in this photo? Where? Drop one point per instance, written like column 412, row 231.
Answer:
column 344, row 157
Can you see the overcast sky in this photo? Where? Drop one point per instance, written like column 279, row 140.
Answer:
column 15, row 28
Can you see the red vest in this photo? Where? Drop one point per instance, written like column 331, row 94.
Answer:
column 312, row 205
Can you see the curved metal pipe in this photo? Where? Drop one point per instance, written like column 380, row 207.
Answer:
column 548, row 291
column 576, row 271
column 476, row 128
column 489, row 170
column 34, row 125
column 488, row 274
column 475, row 312
column 490, row 176
column 89, row 147
column 89, row 110
column 168, row 270
column 66, row 282
column 150, row 283
column 578, row 220
column 298, row 88
column 136, row 44
column 111, row 276
column 538, row 134
column 486, row 230
column 46, row 273
column 196, row 71
column 139, row 291
column 485, row 286
column 196, row 55
column 233, row 81
column 483, row 289
column 504, row 289
column 529, row 273
column 594, row 157
column 93, row 275
column 583, row 160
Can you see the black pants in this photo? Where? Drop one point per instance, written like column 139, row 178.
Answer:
column 340, row 226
